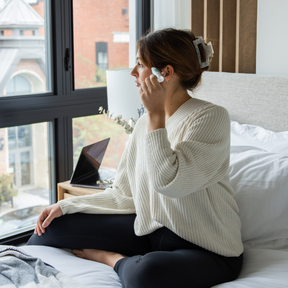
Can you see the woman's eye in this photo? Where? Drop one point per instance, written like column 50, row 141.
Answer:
column 139, row 64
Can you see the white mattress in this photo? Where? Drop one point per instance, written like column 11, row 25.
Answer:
column 262, row 268
column 89, row 273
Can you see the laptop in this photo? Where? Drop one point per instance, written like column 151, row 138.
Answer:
column 87, row 171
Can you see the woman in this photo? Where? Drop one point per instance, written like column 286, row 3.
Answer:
column 170, row 219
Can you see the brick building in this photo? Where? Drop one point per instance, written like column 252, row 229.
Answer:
column 101, row 37
column 101, row 41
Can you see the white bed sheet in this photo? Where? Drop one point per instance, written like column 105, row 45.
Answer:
column 262, row 268
column 89, row 273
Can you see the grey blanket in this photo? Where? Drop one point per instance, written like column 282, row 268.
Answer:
column 17, row 269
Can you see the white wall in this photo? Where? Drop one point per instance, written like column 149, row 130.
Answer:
column 272, row 37
column 166, row 13
column 171, row 13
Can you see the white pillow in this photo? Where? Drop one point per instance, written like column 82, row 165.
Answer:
column 251, row 135
column 260, row 181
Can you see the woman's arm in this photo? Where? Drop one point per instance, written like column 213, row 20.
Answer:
column 197, row 162
column 110, row 201
column 116, row 200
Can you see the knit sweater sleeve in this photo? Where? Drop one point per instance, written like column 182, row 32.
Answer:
column 116, row 200
column 200, row 160
column 109, row 201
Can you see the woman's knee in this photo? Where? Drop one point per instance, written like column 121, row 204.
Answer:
column 191, row 268
column 56, row 230
column 144, row 271
column 34, row 240
column 44, row 239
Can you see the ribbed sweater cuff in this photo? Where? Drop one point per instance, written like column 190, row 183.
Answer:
column 64, row 206
column 70, row 205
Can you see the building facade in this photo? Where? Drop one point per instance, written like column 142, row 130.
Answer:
column 101, row 42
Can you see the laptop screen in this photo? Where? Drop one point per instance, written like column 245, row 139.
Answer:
column 87, row 168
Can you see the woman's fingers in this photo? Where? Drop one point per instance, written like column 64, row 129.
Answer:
column 39, row 229
column 46, row 217
column 48, row 220
column 147, row 87
column 53, row 212
column 155, row 83
column 144, row 87
column 149, row 84
column 153, row 80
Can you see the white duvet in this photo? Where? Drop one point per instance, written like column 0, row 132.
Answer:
column 262, row 268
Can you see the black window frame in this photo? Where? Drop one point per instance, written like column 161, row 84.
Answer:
column 143, row 16
column 64, row 103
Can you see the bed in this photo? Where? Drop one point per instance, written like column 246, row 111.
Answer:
column 258, row 170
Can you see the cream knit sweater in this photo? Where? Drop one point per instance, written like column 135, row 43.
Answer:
column 176, row 177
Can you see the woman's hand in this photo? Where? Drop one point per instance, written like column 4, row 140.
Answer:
column 153, row 96
column 46, row 217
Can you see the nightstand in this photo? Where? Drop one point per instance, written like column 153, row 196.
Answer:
column 65, row 190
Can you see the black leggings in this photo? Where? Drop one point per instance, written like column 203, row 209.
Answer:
column 160, row 259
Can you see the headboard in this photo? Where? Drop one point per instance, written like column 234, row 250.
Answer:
column 249, row 98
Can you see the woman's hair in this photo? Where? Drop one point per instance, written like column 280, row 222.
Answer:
column 173, row 47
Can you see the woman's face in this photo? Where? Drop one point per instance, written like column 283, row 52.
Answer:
column 140, row 71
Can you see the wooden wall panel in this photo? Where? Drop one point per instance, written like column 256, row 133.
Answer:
column 213, row 30
column 197, row 15
column 229, row 35
column 247, row 36
column 231, row 26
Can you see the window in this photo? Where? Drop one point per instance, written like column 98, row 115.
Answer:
column 45, row 103
column 25, row 58
column 25, row 175
column 18, row 85
column 90, row 70
column 99, row 127
column 102, row 55
column 97, row 33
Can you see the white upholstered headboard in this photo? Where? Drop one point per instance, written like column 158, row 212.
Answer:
column 249, row 98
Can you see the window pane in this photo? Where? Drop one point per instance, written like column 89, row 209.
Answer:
column 24, row 136
column 101, row 40
column 24, row 47
column 25, row 176
column 88, row 130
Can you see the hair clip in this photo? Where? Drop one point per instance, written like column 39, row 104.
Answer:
column 207, row 48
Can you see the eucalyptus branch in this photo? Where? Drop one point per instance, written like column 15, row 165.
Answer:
column 128, row 128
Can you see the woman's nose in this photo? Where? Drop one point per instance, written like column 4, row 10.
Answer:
column 134, row 72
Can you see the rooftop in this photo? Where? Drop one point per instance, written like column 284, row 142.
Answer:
column 19, row 14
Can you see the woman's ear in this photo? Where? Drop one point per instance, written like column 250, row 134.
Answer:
column 167, row 72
